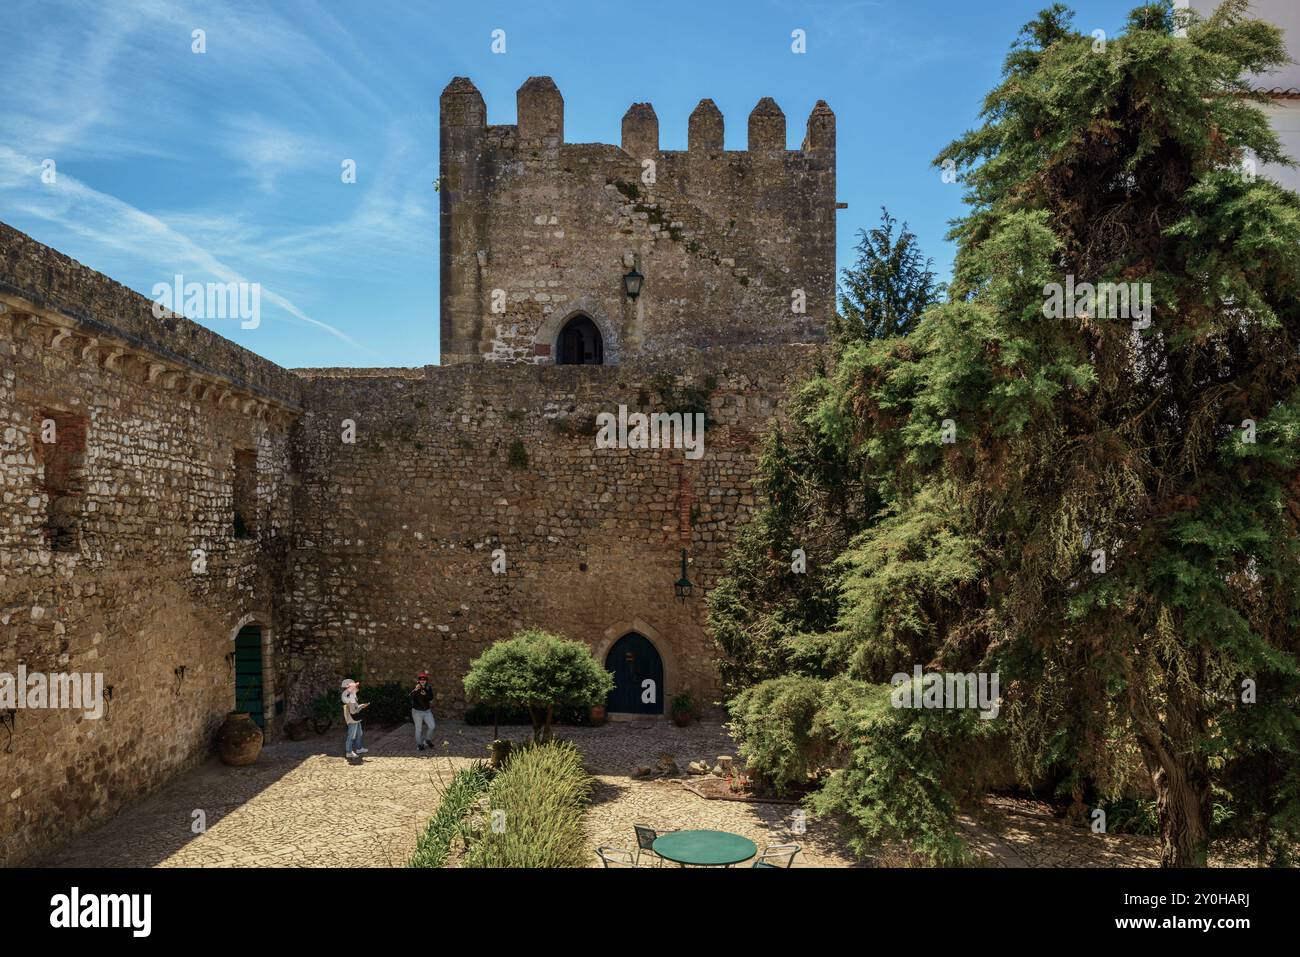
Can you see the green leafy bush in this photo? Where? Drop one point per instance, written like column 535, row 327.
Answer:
column 684, row 703
column 908, row 771
column 897, row 775
column 538, row 671
column 327, row 706
column 773, row 723
column 390, row 703
column 1132, row 816
column 536, row 808
column 449, row 821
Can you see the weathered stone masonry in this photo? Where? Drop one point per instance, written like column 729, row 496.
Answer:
column 725, row 238
column 392, row 560
column 377, row 554
column 163, row 406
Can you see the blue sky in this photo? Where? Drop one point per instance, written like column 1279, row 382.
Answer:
column 225, row 165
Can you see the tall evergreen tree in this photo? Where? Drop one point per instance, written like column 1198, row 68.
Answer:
column 1129, row 486
column 888, row 287
column 1102, row 508
column 766, row 615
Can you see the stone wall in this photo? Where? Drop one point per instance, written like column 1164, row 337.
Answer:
column 737, row 246
column 145, row 416
column 392, row 549
column 128, row 442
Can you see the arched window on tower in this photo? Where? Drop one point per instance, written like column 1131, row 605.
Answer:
column 580, row 343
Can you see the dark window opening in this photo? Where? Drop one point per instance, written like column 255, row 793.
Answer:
column 61, row 451
column 245, row 494
column 580, row 344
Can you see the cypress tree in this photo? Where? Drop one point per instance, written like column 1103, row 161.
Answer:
column 1084, row 466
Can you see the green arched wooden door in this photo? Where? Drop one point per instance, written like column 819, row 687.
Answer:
column 638, row 676
column 248, row 673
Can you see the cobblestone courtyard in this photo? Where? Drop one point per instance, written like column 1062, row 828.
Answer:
column 303, row 805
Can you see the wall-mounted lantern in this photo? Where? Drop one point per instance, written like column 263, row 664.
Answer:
column 632, row 283
column 682, row 587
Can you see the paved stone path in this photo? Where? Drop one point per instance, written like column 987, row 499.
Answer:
column 620, row 801
column 303, row 805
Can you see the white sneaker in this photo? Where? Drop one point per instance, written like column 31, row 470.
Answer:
column 363, row 750
column 351, row 754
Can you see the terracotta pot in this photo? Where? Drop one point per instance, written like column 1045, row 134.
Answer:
column 681, row 718
column 240, row 739
column 598, row 714
column 296, row 729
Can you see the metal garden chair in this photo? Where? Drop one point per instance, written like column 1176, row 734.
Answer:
column 645, row 840
column 616, row 857
column 777, row 855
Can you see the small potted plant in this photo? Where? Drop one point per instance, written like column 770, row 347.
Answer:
column 683, row 708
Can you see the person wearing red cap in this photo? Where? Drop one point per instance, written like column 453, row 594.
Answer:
column 422, row 710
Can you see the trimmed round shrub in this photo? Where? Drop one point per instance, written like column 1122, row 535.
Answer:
column 541, row 672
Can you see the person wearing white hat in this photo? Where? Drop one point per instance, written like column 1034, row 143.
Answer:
column 351, row 717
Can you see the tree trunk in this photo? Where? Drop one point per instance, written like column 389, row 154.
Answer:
column 541, row 723
column 1180, row 773
column 1183, row 805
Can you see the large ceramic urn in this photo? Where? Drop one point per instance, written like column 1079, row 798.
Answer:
column 240, row 739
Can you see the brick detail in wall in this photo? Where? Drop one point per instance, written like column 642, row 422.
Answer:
column 685, row 502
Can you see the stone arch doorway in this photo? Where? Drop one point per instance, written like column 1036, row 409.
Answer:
column 580, row 343
column 250, row 693
column 638, row 672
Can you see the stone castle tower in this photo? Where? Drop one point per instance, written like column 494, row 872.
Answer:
column 204, row 528
column 736, row 247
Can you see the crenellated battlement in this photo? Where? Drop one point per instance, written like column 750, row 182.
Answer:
column 536, row 230
column 540, row 120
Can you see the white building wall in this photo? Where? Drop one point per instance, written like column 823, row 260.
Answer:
column 1283, row 113
column 1285, row 117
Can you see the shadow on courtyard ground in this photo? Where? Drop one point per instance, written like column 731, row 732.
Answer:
column 302, row 804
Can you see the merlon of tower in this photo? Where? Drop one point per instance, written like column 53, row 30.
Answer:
column 541, row 111
column 766, row 126
column 640, row 131
column 705, row 127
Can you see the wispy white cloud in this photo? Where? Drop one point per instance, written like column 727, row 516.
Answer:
column 119, row 84
column 263, row 149
column 114, row 225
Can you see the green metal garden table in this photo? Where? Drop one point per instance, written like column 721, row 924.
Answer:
column 705, row 848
